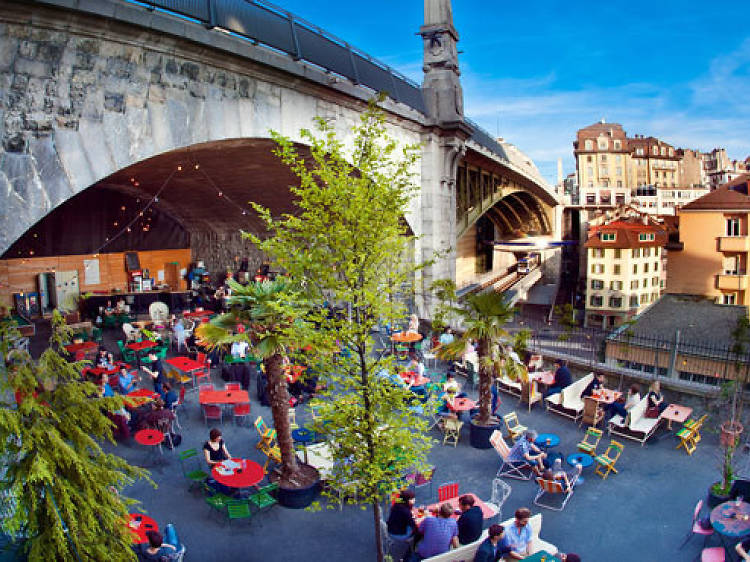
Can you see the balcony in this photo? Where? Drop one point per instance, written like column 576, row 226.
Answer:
column 734, row 244
column 732, row 282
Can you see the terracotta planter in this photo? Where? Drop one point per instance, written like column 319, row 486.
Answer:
column 730, row 433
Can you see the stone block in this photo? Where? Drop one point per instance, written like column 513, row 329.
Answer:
column 50, row 171
column 161, row 133
column 114, row 102
column 93, row 140
column 177, row 117
column 117, row 139
column 73, row 159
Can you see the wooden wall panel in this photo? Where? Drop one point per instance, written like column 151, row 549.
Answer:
column 466, row 265
column 21, row 274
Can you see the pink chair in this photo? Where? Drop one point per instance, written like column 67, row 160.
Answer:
column 211, row 412
column 713, row 554
column 695, row 527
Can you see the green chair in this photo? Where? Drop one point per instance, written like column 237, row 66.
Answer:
column 238, row 509
column 128, row 355
column 196, row 476
column 263, row 499
column 97, row 335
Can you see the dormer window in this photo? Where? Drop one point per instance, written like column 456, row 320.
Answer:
column 608, row 236
column 646, row 237
column 589, row 144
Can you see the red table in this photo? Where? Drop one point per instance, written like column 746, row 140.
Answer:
column 143, row 393
column 186, row 365
column 197, row 313
column 544, row 377
column 247, row 474
column 675, row 413
column 141, row 345
column 487, row 512
column 139, row 524
column 224, row 397
column 149, row 437
column 99, row 371
column 74, row 348
column 406, row 337
column 461, row 404
column 294, row 372
column 414, row 379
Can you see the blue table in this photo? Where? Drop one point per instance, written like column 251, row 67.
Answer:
column 580, row 458
column 303, row 435
column 545, row 440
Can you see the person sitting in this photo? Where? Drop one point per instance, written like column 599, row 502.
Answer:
column 743, row 549
column 415, row 365
column 438, row 534
column 109, row 310
column 470, row 521
column 155, row 548
column 401, row 523
column 413, row 327
column 120, row 419
column 562, row 379
column 215, row 451
column 566, row 479
column 239, row 349
column 159, row 418
column 105, row 390
column 104, row 360
column 169, row 395
column 655, row 399
column 494, row 547
column 622, row 406
column 595, row 384
column 446, row 337
column 122, row 307
column 156, row 371
column 525, row 450
column 126, row 381
column 519, row 534
column 452, row 387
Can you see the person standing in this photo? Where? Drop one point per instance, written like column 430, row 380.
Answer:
column 156, row 371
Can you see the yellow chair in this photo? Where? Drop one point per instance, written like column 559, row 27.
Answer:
column 267, row 435
column 606, row 462
column 588, row 446
column 696, row 425
column 452, row 430
column 272, row 453
column 687, row 439
column 513, row 427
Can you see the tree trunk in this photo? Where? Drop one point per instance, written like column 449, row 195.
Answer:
column 485, row 379
column 378, row 533
column 279, row 397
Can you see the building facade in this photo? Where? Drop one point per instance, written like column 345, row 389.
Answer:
column 625, row 260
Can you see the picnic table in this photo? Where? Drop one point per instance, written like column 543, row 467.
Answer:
column 223, row 397
column 675, row 413
column 84, row 347
column 419, row 516
column 139, row 524
column 237, row 473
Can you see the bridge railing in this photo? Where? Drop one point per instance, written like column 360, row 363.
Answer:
column 263, row 22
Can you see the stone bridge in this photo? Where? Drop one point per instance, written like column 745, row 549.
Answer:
column 111, row 95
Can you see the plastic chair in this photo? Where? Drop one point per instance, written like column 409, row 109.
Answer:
column 263, row 499
column 590, row 441
column 513, row 426
column 500, row 492
column 447, row 491
column 211, row 412
column 606, row 462
column 713, row 554
column 695, row 527
column 238, row 509
column 592, row 413
column 241, row 411
column 196, row 476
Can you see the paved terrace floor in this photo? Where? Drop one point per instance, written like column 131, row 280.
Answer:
column 640, row 514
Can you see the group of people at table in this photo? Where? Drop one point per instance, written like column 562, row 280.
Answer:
column 436, row 530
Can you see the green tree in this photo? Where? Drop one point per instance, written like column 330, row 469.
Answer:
column 62, row 480
column 346, row 244
column 482, row 316
column 268, row 309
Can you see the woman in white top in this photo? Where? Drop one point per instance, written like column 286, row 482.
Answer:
column 413, row 324
column 622, row 407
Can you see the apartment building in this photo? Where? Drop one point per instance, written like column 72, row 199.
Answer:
column 712, row 256
column 625, row 260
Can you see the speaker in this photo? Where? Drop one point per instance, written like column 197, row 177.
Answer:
column 132, row 263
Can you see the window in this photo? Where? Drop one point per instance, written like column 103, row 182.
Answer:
column 597, row 284
column 636, row 252
column 634, row 284
column 603, row 171
column 618, row 159
column 589, row 144
column 639, row 152
column 589, row 158
column 618, row 145
column 657, row 252
column 615, row 285
column 619, row 171
column 655, row 150
column 646, row 236
column 597, row 252
column 635, row 269
column 656, row 266
column 619, row 184
column 590, row 197
column 596, row 300
column 654, row 281
column 646, row 252
column 733, row 226
column 604, row 157
column 615, row 302
column 634, row 300
column 590, row 171
column 617, row 269
column 731, row 265
column 671, row 151
column 597, row 268
column 729, row 298
column 618, row 253
column 663, row 151
column 608, row 236
column 603, row 144
column 644, row 298
column 645, row 268
column 654, row 296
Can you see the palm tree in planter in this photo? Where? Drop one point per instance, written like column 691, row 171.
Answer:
column 268, row 311
column 483, row 317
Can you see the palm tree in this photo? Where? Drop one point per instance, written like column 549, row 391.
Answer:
column 266, row 310
column 483, row 316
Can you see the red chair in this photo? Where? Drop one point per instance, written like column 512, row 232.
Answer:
column 241, row 411
column 203, row 359
column 447, row 491
column 211, row 412
column 695, row 527
column 713, row 554
column 232, row 386
column 204, row 387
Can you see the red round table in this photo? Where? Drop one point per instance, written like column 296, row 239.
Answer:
column 406, row 337
column 139, row 524
column 143, row 393
column 249, row 473
column 414, row 378
column 462, row 404
column 149, row 437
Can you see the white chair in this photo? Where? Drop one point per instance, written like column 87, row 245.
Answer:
column 500, row 492
column 159, row 313
column 131, row 333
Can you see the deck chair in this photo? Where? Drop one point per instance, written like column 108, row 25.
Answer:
column 592, row 413
column 513, row 427
column 520, row 470
column 560, row 488
column 696, row 425
column 606, row 462
column 452, row 430
column 590, row 441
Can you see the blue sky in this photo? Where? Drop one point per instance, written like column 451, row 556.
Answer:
column 538, row 71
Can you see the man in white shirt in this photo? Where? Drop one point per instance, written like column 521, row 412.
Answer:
column 239, row 349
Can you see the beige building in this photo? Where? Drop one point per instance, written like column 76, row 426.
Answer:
column 712, row 256
column 625, row 260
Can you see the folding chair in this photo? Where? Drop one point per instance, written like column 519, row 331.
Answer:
column 606, row 462
column 447, row 491
column 196, row 476
column 511, row 469
column 238, row 509
column 553, row 487
column 592, row 413
column 590, row 441
column 272, row 453
column 263, row 499
column 267, row 435
column 696, row 528
column 687, row 439
column 513, row 426
column 452, row 430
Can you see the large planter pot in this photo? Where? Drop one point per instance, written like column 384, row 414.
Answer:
column 715, row 499
column 298, row 498
column 730, row 433
column 479, row 436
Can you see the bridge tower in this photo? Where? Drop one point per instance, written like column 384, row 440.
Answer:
column 444, row 144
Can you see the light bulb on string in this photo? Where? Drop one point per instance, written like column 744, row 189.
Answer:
column 220, row 194
column 179, row 168
column 197, row 166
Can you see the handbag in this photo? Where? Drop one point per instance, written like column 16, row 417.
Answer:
column 652, row 412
